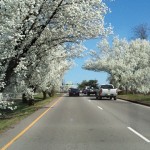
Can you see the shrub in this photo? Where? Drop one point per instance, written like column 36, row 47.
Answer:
column 6, row 106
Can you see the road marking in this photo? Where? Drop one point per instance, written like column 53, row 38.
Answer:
column 138, row 134
column 28, row 127
column 138, row 104
column 100, row 107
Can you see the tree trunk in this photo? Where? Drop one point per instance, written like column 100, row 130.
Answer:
column 53, row 91
column 44, row 94
column 24, row 98
column 126, row 90
column 50, row 94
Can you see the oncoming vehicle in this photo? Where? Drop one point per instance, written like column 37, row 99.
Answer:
column 74, row 92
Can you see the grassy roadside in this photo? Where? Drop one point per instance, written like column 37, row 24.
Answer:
column 23, row 111
column 137, row 98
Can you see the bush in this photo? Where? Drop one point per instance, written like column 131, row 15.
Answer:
column 6, row 106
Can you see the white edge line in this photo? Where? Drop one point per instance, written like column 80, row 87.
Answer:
column 141, row 136
column 133, row 103
column 100, row 107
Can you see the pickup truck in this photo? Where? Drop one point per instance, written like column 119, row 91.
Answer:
column 91, row 90
column 106, row 90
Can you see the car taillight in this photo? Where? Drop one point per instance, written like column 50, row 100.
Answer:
column 100, row 92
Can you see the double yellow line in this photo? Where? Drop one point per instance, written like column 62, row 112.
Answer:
column 28, row 127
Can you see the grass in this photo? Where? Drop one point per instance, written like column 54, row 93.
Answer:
column 23, row 111
column 139, row 98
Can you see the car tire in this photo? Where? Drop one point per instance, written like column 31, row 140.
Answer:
column 114, row 98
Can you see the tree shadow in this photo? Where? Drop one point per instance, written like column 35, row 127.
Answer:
column 103, row 99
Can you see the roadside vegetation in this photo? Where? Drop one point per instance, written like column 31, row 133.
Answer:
column 23, row 110
column 137, row 98
column 125, row 61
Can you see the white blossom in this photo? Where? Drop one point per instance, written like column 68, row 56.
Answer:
column 40, row 38
column 127, row 63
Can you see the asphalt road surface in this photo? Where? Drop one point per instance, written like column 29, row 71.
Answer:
column 82, row 123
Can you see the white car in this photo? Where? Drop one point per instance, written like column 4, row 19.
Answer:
column 106, row 90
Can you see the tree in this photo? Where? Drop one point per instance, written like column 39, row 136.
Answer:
column 32, row 29
column 127, row 63
column 46, row 74
column 141, row 31
column 90, row 83
column 83, row 84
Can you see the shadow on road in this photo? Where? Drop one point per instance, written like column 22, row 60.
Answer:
column 91, row 97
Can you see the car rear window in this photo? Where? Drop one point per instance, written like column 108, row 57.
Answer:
column 106, row 86
column 74, row 90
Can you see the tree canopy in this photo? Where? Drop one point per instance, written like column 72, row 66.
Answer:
column 127, row 63
column 40, row 38
column 90, row 83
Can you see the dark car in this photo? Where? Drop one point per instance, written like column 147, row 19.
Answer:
column 74, row 92
column 84, row 91
column 91, row 90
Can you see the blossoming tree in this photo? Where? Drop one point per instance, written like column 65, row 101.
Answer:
column 126, row 62
column 32, row 33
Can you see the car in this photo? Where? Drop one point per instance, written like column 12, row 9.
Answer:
column 91, row 90
column 74, row 92
column 106, row 90
column 84, row 91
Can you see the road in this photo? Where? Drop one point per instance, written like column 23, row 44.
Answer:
column 83, row 123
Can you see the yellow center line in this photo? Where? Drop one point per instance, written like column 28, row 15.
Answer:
column 28, row 127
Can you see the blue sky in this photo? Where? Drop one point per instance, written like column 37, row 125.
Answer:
column 125, row 15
